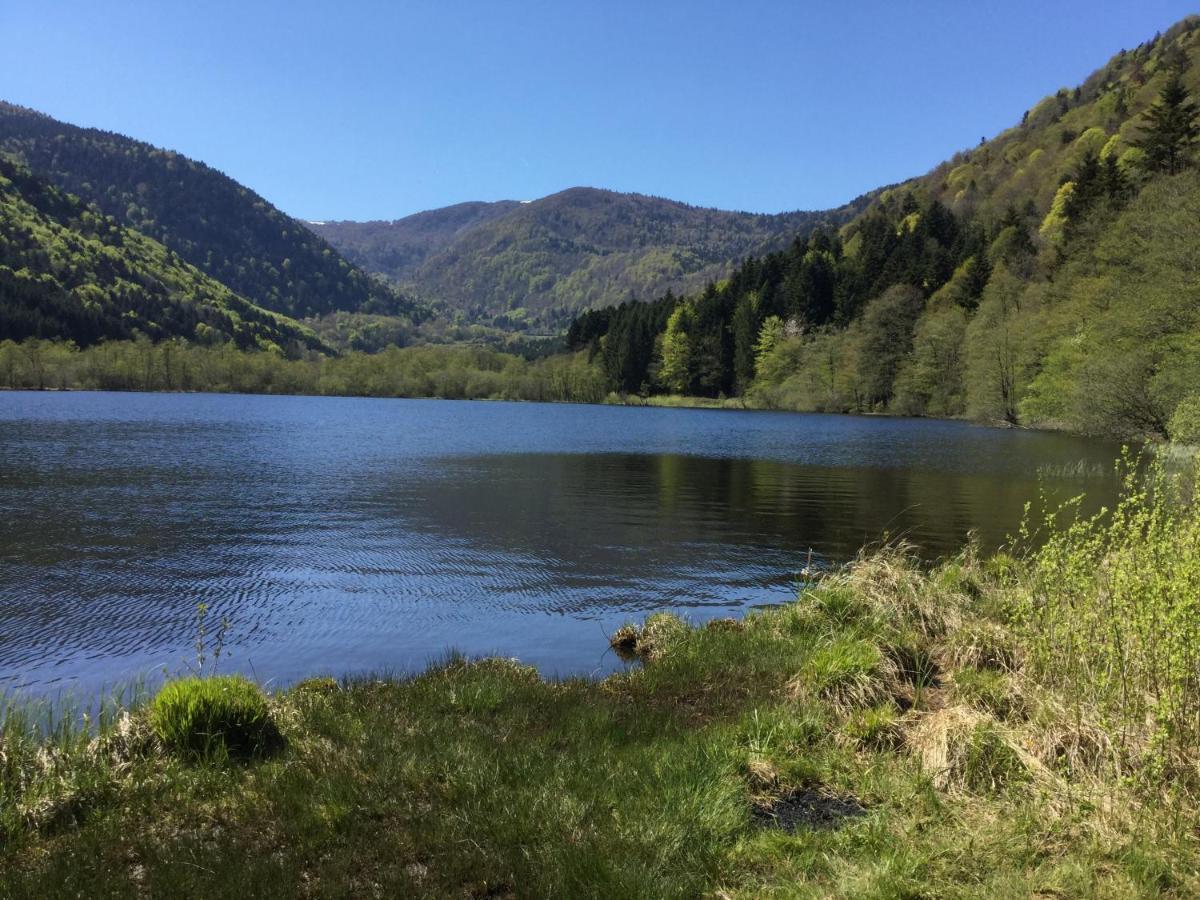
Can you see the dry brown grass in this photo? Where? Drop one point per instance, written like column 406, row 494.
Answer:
column 650, row 639
column 893, row 585
column 964, row 750
column 982, row 644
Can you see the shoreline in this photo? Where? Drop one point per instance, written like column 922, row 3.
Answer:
column 653, row 402
column 850, row 741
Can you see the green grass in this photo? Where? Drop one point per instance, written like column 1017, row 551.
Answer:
column 930, row 696
column 213, row 718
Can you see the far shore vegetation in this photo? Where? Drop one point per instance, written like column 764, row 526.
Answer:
column 453, row 372
column 1026, row 724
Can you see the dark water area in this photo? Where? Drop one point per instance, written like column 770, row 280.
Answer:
column 343, row 535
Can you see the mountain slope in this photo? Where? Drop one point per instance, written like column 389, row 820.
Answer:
column 210, row 220
column 67, row 271
column 1024, row 166
column 540, row 262
column 1047, row 277
column 396, row 249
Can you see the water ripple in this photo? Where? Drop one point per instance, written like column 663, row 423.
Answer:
column 344, row 535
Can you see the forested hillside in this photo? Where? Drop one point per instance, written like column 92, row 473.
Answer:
column 1050, row 276
column 211, row 221
column 537, row 264
column 67, row 271
column 396, row 249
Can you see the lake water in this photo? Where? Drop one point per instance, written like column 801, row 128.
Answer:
column 345, row 535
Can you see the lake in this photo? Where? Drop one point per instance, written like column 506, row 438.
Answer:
column 343, row 535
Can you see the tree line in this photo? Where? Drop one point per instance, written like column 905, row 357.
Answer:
column 451, row 372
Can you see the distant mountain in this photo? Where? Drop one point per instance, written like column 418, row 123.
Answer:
column 538, row 263
column 70, row 272
column 396, row 249
column 221, row 227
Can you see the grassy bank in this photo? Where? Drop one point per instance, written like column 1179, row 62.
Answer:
column 1024, row 725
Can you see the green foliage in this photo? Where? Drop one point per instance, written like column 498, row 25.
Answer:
column 1171, row 130
column 1111, row 614
column 675, row 367
column 887, row 330
column 451, row 372
column 815, row 371
column 930, row 378
column 215, row 717
column 1041, row 278
column 1118, row 332
column 770, row 334
column 809, row 286
column 993, row 351
column 1185, row 422
column 1053, row 227
column 69, row 272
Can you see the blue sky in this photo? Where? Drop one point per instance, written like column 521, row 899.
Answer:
column 375, row 110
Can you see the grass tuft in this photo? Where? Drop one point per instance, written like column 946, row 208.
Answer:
column 652, row 638
column 214, row 718
column 847, row 674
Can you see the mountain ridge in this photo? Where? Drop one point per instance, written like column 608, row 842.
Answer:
column 541, row 261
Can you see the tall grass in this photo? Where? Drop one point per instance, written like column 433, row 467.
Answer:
column 59, row 757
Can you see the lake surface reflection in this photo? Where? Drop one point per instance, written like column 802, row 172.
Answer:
column 346, row 535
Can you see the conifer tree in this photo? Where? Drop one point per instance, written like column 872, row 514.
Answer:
column 1172, row 127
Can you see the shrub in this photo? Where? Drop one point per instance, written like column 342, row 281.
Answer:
column 1111, row 617
column 214, row 718
column 1185, row 423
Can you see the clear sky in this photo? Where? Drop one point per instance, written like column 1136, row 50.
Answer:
column 360, row 110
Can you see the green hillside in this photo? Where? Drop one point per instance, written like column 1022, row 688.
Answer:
column 70, row 272
column 1046, row 277
column 538, row 263
column 211, row 221
column 396, row 249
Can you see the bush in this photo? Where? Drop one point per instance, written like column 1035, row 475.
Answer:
column 1110, row 616
column 214, row 718
column 1185, row 423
